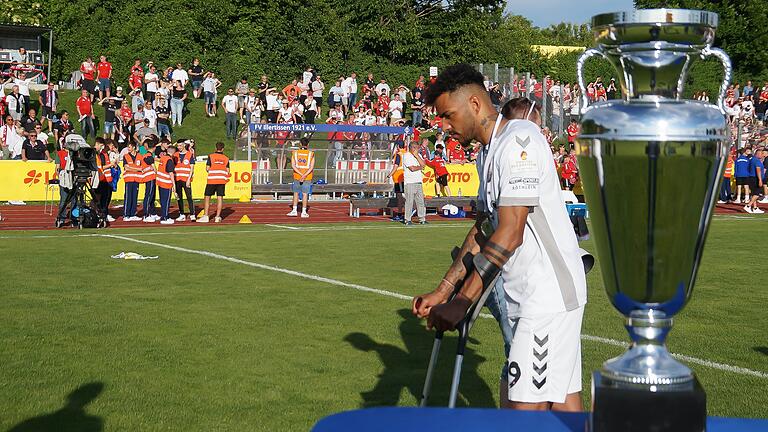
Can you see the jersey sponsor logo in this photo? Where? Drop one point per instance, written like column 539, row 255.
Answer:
column 523, row 142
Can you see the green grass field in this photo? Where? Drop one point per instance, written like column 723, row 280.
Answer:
column 217, row 334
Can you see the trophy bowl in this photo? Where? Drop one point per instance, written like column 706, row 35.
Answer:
column 650, row 165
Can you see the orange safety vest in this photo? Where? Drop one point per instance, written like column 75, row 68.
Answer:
column 184, row 167
column 302, row 162
column 105, row 175
column 217, row 172
column 729, row 169
column 133, row 162
column 147, row 170
column 398, row 176
column 164, row 178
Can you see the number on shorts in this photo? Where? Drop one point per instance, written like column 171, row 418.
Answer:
column 514, row 374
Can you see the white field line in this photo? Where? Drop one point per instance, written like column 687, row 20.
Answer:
column 283, row 226
column 254, row 231
column 607, row 341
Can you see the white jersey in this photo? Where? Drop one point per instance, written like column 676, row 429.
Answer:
column 545, row 274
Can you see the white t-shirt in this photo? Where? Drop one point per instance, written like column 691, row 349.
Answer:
column 151, row 115
column 396, row 109
column 209, row 85
column 23, row 86
column 286, row 113
column 230, row 103
column 306, row 77
column 317, row 89
column 370, row 120
column 411, row 176
column 180, row 75
column 382, row 86
column 273, row 104
column 545, row 274
column 151, row 85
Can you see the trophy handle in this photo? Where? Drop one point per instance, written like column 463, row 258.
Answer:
column 727, row 72
column 580, row 73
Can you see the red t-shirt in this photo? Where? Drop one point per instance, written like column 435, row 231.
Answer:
column 88, row 70
column 135, row 81
column 438, row 164
column 764, row 95
column 105, row 69
column 537, row 90
column 63, row 158
column 84, row 105
column 573, row 130
column 126, row 114
column 455, row 152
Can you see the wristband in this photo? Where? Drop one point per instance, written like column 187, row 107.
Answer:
column 486, row 269
column 449, row 282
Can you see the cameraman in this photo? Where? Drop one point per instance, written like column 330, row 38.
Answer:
column 104, row 189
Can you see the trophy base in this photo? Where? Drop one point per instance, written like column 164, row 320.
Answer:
column 617, row 407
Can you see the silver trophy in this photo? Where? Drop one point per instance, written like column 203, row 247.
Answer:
column 650, row 165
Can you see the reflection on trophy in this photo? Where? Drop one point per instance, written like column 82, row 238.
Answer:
column 650, row 165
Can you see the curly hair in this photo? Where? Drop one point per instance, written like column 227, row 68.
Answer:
column 451, row 79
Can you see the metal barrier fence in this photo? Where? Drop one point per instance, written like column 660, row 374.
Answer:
column 344, row 154
column 555, row 114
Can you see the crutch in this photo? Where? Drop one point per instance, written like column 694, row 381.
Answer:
column 463, row 328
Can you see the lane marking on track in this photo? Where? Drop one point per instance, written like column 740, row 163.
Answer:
column 311, row 228
column 282, row 226
column 607, row 341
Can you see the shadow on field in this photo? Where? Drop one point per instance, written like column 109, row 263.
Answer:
column 406, row 368
column 761, row 349
column 72, row 417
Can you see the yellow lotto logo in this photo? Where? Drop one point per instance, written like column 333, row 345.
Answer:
column 462, row 177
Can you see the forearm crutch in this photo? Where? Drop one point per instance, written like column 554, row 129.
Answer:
column 463, row 328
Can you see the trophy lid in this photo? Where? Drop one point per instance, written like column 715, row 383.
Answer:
column 653, row 49
column 685, row 27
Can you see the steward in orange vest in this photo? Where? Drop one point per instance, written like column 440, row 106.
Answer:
column 218, row 176
column 185, row 170
column 303, row 164
column 131, row 174
column 398, row 177
column 147, row 176
column 166, row 183
column 725, row 187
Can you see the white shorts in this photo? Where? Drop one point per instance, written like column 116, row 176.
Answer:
column 544, row 362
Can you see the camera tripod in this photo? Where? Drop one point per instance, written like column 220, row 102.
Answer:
column 80, row 207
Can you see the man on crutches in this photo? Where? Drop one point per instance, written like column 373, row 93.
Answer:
column 525, row 239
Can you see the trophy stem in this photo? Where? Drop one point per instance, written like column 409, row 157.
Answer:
column 647, row 362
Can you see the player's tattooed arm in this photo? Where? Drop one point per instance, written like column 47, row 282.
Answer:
column 496, row 253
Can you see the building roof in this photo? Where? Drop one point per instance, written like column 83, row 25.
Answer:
column 23, row 29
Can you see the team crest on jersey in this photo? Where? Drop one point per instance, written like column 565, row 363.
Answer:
column 523, row 155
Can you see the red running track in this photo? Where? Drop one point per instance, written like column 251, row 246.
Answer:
column 32, row 217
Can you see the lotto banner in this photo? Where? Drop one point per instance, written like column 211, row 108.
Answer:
column 461, row 178
column 26, row 181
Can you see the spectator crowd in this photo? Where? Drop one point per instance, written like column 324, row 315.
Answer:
column 147, row 102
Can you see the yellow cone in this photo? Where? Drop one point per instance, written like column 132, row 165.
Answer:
column 201, row 214
column 245, row 220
